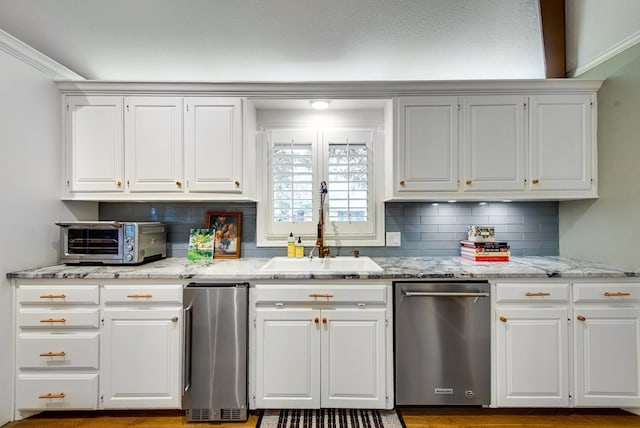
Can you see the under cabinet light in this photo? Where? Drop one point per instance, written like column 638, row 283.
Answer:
column 320, row 104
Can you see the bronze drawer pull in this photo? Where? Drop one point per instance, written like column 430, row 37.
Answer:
column 328, row 296
column 53, row 296
column 503, row 319
column 316, row 320
column 140, row 296
column 536, row 294
column 54, row 320
column 324, row 320
column 50, row 395
column 535, row 181
column 581, row 318
column 617, row 294
column 53, row 354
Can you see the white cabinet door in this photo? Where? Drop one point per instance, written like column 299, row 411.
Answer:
column 532, row 357
column 94, row 144
column 153, row 135
column 141, row 358
column 493, row 143
column 287, row 358
column 607, row 356
column 426, row 153
column 214, row 144
column 353, row 358
column 560, row 142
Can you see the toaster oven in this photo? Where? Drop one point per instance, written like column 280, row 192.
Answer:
column 111, row 242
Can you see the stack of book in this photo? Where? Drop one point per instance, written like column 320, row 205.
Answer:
column 494, row 251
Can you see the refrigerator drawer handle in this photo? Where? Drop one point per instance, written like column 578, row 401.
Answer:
column 188, row 317
column 442, row 294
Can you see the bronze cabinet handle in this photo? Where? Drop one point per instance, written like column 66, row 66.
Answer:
column 179, row 183
column 316, row 320
column 53, row 296
column 468, row 182
column 140, row 296
column 328, row 296
column 503, row 319
column 54, row 320
column 174, row 319
column 402, row 182
column 50, row 395
column 237, row 183
column 324, row 320
column 53, row 354
column 581, row 318
column 535, row 181
column 536, row 294
column 617, row 294
column 118, row 183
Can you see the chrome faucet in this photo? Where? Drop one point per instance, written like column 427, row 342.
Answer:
column 322, row 250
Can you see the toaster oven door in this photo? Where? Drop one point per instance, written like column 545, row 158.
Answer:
column 97, row 244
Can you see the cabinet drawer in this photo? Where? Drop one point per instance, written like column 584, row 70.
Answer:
column 59, row 317
column 58, row 294
column 266, row 293
column 606, row 292
column 532, row 292
column 51, row 392
column 66, row 350
column 143, row 293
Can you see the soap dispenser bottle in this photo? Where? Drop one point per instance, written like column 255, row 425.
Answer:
column 291, row 246
column 299, row 248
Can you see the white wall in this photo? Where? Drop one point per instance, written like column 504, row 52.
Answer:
column 30, row 176
column 597, row 30
column 606, row 229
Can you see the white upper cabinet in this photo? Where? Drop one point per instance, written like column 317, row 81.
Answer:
column 213, row 144
column 561, row 150
column 153, row 135
column 154, row 148
column 493, row 143
column 426, row 149
column 94, row 144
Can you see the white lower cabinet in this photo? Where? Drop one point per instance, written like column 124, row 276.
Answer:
column 535, row 360
column 141, row 351
column 83, row 346
column 607, row 345
column 532, row 357
column 321, row 352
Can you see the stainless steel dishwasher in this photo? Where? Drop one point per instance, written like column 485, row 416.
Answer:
column 442, row 343
column 215, row 378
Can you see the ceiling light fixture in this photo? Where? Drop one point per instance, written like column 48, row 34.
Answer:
column 320, row 104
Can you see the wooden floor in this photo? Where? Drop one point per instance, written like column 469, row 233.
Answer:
column 413, row 418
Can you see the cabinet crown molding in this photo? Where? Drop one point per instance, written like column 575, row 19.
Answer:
column 336, row 89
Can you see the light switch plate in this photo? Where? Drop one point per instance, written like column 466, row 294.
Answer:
column 393, row 239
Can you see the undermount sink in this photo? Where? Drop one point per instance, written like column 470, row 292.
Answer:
column 317, row 265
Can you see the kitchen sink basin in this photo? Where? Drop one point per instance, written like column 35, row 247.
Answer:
column 321, row 265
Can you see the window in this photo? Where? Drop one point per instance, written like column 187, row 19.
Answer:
column 297, row 161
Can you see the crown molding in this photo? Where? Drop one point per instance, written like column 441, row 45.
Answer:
column 36, row 59
column 614, row 50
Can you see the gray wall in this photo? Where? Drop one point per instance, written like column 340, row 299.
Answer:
column 531, row 228
column 606, row 230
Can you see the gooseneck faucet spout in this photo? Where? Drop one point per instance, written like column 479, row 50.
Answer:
column 322, row 250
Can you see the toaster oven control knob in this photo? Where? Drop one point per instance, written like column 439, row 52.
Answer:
column 129, row 247
column 128, row 257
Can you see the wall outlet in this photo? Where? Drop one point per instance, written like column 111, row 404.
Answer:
column 393, row 239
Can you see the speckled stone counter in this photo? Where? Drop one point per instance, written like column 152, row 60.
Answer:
column 394, row 268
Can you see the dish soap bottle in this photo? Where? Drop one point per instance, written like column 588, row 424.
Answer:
column 299, row 248
column 291, row 245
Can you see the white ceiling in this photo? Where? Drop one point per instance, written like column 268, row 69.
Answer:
column 283, row 40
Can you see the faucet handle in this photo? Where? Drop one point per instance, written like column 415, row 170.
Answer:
column 356, row 253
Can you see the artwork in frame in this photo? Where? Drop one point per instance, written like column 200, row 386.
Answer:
column 200, row 244
column 228, row 226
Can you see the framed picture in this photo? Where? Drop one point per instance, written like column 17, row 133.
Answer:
column 200, row 244
column 227, row 226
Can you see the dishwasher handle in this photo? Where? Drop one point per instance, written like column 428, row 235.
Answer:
column 443, row 294
column 188, row 317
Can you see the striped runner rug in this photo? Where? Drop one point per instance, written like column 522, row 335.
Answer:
column 330, row 418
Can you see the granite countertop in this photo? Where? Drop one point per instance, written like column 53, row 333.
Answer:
column 394, row 268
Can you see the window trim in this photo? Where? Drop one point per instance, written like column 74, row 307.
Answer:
column 267, row 237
